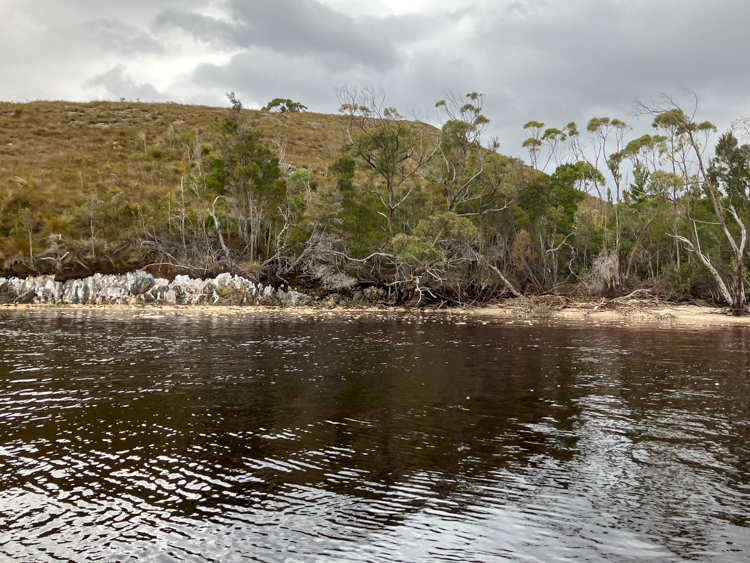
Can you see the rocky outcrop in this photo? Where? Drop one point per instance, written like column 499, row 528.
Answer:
column 142, row 287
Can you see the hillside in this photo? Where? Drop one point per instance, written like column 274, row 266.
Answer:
column 100, row 172
column 48, row 137
column 58, row 157
column 328, row 200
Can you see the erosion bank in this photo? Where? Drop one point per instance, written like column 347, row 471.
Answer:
column 141, row 287
column 238, row 295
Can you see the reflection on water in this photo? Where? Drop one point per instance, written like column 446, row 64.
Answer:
column 132, row 436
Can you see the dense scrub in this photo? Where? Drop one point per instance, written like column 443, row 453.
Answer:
column 370, row 198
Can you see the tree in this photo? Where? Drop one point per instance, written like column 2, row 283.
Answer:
column 668, row 112
column 643, row 154
column 460, row 167
column 533, row 142
column 730, row 168
column 29, row 220
column 554, row 139
column 284, row 105
column 604, row 130
column 247, row 173
column 390, row 150
column 564, row 201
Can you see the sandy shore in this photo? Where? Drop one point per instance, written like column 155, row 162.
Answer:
column 667, row 315
column 632, row 313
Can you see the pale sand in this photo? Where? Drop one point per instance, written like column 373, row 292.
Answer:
column 666, row 315
column 631, row 313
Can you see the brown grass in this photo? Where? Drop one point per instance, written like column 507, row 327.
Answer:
column 56, row 157
column 117, row 162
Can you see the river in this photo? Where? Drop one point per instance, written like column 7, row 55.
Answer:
column 149, row 435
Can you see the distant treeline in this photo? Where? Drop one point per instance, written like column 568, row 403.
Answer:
column 372, row 197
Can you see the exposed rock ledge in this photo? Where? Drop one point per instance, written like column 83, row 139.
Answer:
column 142, row 287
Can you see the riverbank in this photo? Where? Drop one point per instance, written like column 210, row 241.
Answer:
column 234, row 295
column 520, row 310
column 668, row 314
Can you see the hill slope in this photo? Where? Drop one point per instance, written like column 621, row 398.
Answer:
column 100, row 171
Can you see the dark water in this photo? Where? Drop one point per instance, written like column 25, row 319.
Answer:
column 129, row 436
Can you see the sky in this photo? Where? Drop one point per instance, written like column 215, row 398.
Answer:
column 553, row 61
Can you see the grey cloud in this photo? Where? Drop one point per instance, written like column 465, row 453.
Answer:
column 120, row 85
column 533, row 59
column 114, row 35
column 618, row 50
column 559, row 62
column 203, row 28
column 300, row 26
column 70, row 12
column 259, row 75
column 294, row 27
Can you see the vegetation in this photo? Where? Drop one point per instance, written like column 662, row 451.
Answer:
column 369, row 196
column 283, row 105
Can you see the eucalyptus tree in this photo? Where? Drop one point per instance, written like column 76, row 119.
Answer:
column 644, row 156
column 284, row 105
column 391, row 150
column 246, row 173
column 533, row 142
column 730, row 168
column 554, row 139
column 584, row 151
column 460, row 166
column 696, row 136
column 608, row 140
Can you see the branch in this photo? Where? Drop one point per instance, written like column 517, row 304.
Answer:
column 507, row 205
column 707, row 263
column 561, row 244
column 508, row 285
column 742, row 229
column 391, row 256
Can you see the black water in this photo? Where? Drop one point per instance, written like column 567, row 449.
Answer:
column 150, row 436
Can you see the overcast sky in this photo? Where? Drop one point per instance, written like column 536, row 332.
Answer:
column 548, row 60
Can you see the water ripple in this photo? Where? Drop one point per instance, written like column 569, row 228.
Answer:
column 135, row 437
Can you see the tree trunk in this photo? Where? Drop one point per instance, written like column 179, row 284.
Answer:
column 227, row 254
column 618, row 230
column 739, row 288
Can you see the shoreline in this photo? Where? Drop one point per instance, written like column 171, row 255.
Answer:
column 660, row 314
column 232, row 295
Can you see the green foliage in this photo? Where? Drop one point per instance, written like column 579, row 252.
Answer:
column 389, row 153
column 202, row 187
column 730, row 169
column 360, row 225
column 535, row 197
column 284, row 105
column 564, row 197
column 384, row 148
column 665, row 185
column 414, row 250
column 302, row 176
column 448, row 227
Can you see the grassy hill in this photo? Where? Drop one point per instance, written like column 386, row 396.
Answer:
column 114, row 186
column 98, row 173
